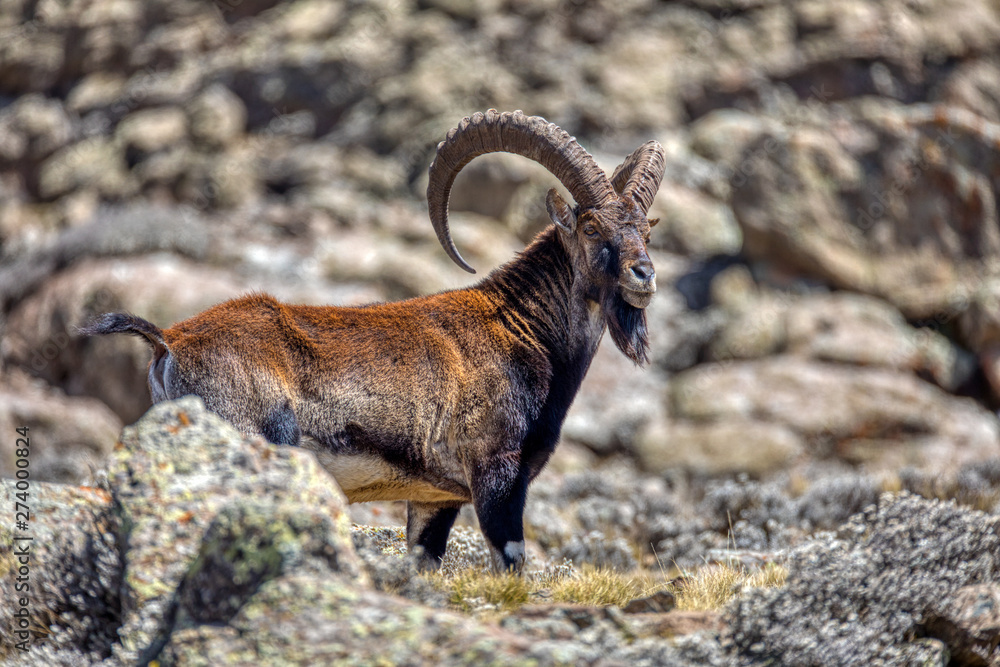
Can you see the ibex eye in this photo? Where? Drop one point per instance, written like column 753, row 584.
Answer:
column 590, row 230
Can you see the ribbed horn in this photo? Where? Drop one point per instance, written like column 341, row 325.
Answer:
column 640, row 174
column 530, row 136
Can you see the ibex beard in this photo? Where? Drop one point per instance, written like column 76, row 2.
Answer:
column 447, row 399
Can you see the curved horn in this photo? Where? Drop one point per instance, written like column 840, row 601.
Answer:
column 530, row 136
column 640, row 174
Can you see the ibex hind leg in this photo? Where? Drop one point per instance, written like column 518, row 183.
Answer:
column 427, row 527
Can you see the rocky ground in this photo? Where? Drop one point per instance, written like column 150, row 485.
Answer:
column 201, row 547
column 827, row 328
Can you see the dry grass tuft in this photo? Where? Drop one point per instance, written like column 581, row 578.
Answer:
column 706, row 589
column 711, row 587
column 471, row 590
column 599, row 587
column 478, row 590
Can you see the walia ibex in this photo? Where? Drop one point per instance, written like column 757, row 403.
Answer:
column 447, row 399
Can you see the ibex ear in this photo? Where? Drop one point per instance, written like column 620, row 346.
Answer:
column 652, row 221
column 560, row 212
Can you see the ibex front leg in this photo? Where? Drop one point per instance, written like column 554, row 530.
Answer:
column 499, row 488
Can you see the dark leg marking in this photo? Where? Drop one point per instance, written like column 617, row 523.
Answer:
column 499, row 489
column 281, row 427
column 428, row 526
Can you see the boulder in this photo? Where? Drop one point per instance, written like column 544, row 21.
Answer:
column 864, row 415
column 886, row 200
column 69, row 437
column 209, row 520
column 96, row 162
column 694, row 224
column 843, row 327
column 864, row 594
column 74, row 572
column 151, row 130
column 717, row 448
column 216, row 116
column 857, row 329
column 33, row 127
column 33, row 58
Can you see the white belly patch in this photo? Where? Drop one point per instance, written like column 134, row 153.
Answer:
column 365, row 477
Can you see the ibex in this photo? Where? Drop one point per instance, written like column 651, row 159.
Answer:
column 447, row 399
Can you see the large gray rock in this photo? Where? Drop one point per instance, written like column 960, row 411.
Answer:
column 864, row 415
column 186, row 479
column 73, row 571
column 70, row 436
column 883, row 199
column 862, row 596
column 716, row 448
column 843, row 327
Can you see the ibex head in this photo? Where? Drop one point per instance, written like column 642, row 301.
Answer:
column 606, row 233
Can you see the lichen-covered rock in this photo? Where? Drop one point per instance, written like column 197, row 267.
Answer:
column 969, row 623
column 73, row 571
column 184, row 478
column 862, row 596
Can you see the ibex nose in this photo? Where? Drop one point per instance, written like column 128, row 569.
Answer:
column 643, row 270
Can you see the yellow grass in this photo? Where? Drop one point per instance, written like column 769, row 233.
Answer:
column 469, row 589
column 598, row 587
column 712, row 586
column 708, row 588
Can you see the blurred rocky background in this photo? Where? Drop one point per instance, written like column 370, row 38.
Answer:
column 828, row 321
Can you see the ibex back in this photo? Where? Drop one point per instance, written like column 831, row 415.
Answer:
column 447, row 399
